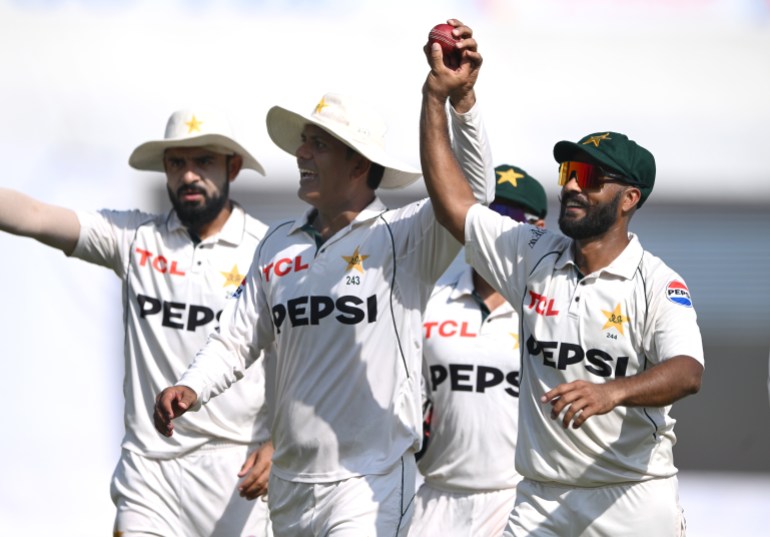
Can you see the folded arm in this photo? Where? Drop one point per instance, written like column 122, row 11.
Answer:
column 658, row 386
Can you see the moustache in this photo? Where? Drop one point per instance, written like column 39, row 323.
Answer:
column 574, row 198
column 190, row 190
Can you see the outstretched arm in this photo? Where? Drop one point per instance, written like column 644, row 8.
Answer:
column 449, row 191
column 25, row 216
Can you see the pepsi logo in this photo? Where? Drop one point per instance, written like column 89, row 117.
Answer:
column 678, row 293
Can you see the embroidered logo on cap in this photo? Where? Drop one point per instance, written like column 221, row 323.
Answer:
column 509, row 176
column 596, row 140
column 194, row 125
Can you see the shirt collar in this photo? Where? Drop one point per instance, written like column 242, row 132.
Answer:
column 462, row 284
column 627, row 262
column 624, row 265
column 463, row 288
column 231, row 232
column 373, row 210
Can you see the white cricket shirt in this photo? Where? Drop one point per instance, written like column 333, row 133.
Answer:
column 173, row 294
column 619, row 321
column 346, row 321
column 472, row 376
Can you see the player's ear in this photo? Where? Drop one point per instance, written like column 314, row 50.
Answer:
column 234, row 165
column 361, row 167
column 631, row 198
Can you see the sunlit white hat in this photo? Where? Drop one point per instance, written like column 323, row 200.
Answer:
column 192, row 128
column 355, row 124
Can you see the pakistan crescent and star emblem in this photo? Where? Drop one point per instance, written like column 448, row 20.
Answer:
column 615, row 319
column 355, row 261
column 194, row 125
column 233, row 277
column 515, row 340
column 320, row 106
column 596, row 140
column 509, row 176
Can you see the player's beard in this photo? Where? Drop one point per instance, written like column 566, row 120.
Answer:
column 195, row 215
column 597, row 221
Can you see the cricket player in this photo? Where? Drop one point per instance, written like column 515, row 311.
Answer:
column 340, row 291
column 471, row 357
column 178, row 270
column 609, row 337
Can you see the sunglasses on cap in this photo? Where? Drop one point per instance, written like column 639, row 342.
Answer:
column 516, row 213
column 587, row 175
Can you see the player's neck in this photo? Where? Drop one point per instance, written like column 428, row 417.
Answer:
column 329, row 220
column 207, row 229
column 595, row 253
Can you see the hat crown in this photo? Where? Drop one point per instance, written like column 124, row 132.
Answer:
column 515, row 185
column 192, row 128
column 615, row 145
column 356, row 125
column 360, row 122
column 615, row 151
column 189, row 123
column 627, row 156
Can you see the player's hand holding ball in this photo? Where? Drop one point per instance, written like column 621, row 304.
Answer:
column 442, row 34
column 452, row 53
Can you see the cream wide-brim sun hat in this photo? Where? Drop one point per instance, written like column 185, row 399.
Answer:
column 353, row 123
column 192, row 128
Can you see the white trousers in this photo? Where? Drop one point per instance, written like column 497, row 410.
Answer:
column 643, row 509
column 365, row 506
column 439, row 513
column 189, row 496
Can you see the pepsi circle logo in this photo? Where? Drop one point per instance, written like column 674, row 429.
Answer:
column 678, row 293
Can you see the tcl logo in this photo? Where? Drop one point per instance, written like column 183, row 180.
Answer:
column 448, row 329
column 284, row 266
column 542, row 304
column 158, row 262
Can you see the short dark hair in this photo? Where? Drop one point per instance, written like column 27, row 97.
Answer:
column 376, row 171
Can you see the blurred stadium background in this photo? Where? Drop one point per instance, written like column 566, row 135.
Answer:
column 85, row 81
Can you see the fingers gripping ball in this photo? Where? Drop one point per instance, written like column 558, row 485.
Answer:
column 442, row 34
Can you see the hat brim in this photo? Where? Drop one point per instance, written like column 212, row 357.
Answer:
column 285, row 129
column 149, row 155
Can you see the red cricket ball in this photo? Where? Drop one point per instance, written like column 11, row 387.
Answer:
column 442, row 34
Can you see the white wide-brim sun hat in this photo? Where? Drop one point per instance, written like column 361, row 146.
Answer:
column 356, row 125
column 192, row 128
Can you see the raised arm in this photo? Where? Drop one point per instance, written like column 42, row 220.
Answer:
column 468, row 134
column 444, row 179
column 463, row 96
column 27, row 217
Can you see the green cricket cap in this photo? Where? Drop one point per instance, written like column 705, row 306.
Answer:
column 517, row 186
column 617, row 153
